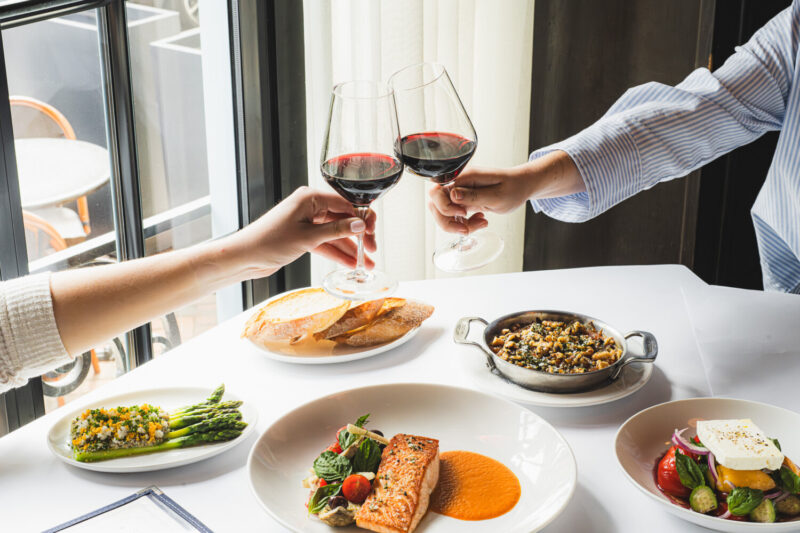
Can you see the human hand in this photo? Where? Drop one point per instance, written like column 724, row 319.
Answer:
column 479, row 190
column 307, row 221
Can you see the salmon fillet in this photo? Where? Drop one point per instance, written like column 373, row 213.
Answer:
column 407, row 475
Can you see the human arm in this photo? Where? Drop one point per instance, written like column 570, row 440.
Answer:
column 656, row 132
column 94, row 304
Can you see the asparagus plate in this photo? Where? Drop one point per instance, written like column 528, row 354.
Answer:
column 202, row 431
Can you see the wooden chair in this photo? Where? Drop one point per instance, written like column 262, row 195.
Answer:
column 63, row 219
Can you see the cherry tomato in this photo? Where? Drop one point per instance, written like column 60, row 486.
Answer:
column 668, row 478
column 322, row 483
column 335, row 448
column 356, row 488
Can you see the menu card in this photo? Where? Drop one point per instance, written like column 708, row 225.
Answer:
column 147, row 510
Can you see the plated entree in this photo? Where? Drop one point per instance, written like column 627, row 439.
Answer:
column 557, row 347
column 377, row 483
column 730, row 470
column 123, row 431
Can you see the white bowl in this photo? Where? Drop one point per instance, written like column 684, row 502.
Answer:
column 461, row 419
column 640, row 443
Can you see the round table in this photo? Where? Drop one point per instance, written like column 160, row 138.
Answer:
column 53, row 171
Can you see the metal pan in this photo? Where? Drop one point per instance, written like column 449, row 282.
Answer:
column 543, row 381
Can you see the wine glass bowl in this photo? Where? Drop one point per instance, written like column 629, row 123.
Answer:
column 437, row 141
column 360, row 160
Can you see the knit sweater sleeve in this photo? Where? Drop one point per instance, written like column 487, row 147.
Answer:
column 30, row 344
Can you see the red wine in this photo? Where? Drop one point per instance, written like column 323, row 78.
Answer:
column 438, row 156
column 362, row 178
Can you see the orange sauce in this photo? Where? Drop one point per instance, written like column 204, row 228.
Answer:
column 474, row 487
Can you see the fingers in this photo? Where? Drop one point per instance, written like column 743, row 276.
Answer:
column 479, row 198
column 478, row 177
column 321, row 206
column 476, row 222
column 444, row 204
column 343, row 253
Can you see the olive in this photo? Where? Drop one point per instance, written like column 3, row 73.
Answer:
column 377, row 432
column 337, row 501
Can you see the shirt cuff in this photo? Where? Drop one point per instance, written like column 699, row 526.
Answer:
column 608, row 161
column 30, row 343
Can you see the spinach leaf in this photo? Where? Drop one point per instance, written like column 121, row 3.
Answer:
column 742, row 500
column 332, row 467
column 346, row 438
column 777, row 444
column 321, row 496
column 689, row 472
column 368, row 457
column 788, row 481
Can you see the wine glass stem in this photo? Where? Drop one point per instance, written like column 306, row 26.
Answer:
column 360, row 272
column 464, row 242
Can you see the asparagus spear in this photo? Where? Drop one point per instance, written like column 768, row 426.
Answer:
column 203, row 408
column 181, row 421
column 182, row 442
column 216, row 423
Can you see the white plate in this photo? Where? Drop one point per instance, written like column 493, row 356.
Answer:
column 461, row 419
column 171, row 398
column 633, row 378
column 640, row 443
column 314, row 355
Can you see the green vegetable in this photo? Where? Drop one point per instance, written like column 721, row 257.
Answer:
column 742, row 500
column 777, row 444
column 181, row 442
column 216, row 423
column 688, row 471
column 367, row 457
column 765, row 512
column 179, row 422
column 787, row 480
column 332, row 467
column 703, row 499
column 321, row 496
column 205, row 408
column 789, row 506
column 346, row 439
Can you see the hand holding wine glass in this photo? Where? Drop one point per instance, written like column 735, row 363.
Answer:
column 438, row 140
column 360, row 162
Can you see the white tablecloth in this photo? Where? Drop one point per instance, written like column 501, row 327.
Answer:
column 38, row 491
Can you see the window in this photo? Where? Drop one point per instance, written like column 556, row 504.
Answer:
column 114, row 151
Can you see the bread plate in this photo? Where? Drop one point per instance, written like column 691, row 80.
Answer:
column 166, row 398
column 461, row 419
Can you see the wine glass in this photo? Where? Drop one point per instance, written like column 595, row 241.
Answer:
column 360, row 160
column 437, row 141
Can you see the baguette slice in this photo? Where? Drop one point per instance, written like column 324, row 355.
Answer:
column 389, row 326
column 407, row 475
column 359, row 314
column 295, row 315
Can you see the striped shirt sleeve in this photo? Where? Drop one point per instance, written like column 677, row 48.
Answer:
column 656, row 132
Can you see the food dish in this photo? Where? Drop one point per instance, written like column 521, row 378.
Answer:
column 459, row 419
column 537, row 377
column 306, row 327
column 731, row 470
column 556, row 346
column 744, row 491
column 182, row 448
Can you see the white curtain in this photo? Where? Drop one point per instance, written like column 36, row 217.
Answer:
column 485, row 46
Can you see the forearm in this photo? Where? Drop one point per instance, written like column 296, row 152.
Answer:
column 94, row 304
column 549, row 176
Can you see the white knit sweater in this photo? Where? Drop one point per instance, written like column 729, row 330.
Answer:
column 30, row 344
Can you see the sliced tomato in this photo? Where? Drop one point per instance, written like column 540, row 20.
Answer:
column 335, row 448
column 321, row 483
column 356, row 488
column 668, row 478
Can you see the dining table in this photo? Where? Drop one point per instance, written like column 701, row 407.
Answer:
column 37, row 491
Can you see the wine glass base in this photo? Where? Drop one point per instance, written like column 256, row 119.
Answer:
column 349, row 285
column 474, row 251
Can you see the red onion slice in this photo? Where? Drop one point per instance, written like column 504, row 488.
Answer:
column 687, row 445
column 727, row 514
column 777, row 496
column 712, row 467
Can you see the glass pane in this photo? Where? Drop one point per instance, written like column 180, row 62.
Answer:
column 59, row 123
column 183, row 202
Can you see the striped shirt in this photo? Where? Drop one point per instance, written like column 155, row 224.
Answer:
column 656, row 132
